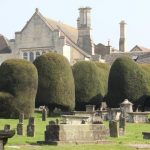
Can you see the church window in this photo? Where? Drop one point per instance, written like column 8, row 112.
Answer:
column 31, row 56
column 25, row 55
column 37, row 54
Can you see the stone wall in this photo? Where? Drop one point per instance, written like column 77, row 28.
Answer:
column 76, row 56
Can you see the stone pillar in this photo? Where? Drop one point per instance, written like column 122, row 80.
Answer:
column 31, row 127
column 44, row 114
column 122, row 40
column 113, row 128
column 20, row 125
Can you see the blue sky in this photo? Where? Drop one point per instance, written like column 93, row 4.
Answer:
column 106, row 15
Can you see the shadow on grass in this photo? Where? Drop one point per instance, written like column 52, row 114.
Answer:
column 42, row 143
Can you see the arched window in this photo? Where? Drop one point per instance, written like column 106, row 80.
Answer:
column 37, row 54
column 25, row 55
column 31, row 56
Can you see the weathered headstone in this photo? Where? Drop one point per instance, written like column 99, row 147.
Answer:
column 122, row 125
column 44, row 114
column 20, row 125
column 21, row 118
column 57, row 121
column 31, row 127
column 7, row 127
column 113, row 128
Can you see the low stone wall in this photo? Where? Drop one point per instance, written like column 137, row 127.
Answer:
column 75, row 133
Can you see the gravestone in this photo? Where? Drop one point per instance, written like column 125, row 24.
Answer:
column 57, row 121
column 90, row 108
column 7, row 127
column 44, row 114
column 20, row 125
column 113, row 128
column 31, row 127
column 122, row 125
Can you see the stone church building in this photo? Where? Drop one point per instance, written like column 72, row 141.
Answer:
column 41, row 35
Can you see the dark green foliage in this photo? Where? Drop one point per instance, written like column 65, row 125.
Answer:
column 90, row 83
column 103, row 77
column 145, row 103
column 56, row 84
column 18, row 86
column 126, row 80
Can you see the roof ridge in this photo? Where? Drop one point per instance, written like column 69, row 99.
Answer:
column 59, row 22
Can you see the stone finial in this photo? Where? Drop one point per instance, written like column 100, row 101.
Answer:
column 126, row 102
column 36, row 10
column 108, row 43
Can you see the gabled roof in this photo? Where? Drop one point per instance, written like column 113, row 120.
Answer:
column 139, row 48
column 70, row 33
column 4, row 47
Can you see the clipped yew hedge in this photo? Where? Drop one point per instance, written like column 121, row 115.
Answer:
column 56, row 83
column 18, row 87
column 90, row 83
column 128, row 80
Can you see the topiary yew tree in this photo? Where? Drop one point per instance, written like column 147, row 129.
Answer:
column 146, row 98
column 18, row 87
column 90, row 83
column 56, row 84
column 103, row 77
column 126, row 80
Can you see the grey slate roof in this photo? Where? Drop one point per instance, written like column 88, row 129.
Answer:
column 142, row 57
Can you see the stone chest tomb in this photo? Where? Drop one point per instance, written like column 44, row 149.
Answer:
column 77, row 128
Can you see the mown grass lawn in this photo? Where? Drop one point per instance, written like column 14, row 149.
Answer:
column 133, row 135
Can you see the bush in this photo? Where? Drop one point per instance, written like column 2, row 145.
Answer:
column 90, row 83
column 18, row 87
column 126, row 80
column 56, row 83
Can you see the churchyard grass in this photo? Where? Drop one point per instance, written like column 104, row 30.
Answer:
column 133, row 135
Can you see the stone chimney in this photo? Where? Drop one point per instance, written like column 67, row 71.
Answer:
column 84, row 30
column 123, row 40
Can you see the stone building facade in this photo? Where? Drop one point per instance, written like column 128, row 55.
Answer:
column 41, row 35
